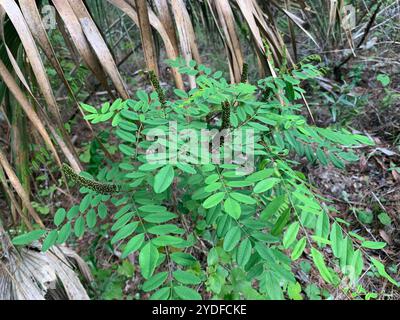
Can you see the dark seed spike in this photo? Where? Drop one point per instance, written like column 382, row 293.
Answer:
column 156, row 85
column 245, row 73
column 102, row 188
column 226, row 115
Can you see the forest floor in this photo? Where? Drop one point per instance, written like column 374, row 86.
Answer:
column 367, row 193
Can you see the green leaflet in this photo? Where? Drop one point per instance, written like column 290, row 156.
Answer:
column 186, row 277
column 272, row 207
column 299, row 248
column 181, row 93
column 148, row 258
column 381, row 270
column 167, row 240
column 122, row 221
column 260, row 175
column 323, row 226
column 88, row 108
column 64, row 233
column 265, row 185
column 183, row 259
column 59, row 216
column 384, row 79
column 50, row 240
column 281, row 223
column 232, row 238
column 102, row 211
column 159, row 217
column 321, row 156
column 336, row 237
column 134, row 244
column 321, row 266
column 91, row 218
column 126, row 136
column 242, row 198
column 72, row 212
column 127, row 150
column 79, row 227
column 186, row 168
column 232, row 207
column 85, row 203
column 273, row 288
column 165, row 229
column 243, row 252
column 373, row 244
column 186, row 293
column 213, row 200
column 28, row 238
column 239, row 184
column 336, row 161
column 163, row 179
column 212, row 178
column 151, row 208
column 291, row 234
column 358, row 264
column 155, row 281
column 124, row 232
column 161, row 294
column 213, row 187
column 264, row 251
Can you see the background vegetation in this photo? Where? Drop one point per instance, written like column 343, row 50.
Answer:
column 56, row 62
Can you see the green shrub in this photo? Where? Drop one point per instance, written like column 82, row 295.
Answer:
column 227, row 230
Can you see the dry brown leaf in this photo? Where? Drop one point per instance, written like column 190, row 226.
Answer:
column 385, row 236
column 186, row 35
column 227, row 24
column 146, row 35
column 79, row 41
column 33, row 54
column 30, row 274
column 67, row 146
column 13, row 201
column 99, row 46
column 19, row 188
column 27, row 107
column 33, row 19
column 155, row 22
column 165, row 16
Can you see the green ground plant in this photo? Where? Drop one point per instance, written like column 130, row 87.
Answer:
column 217, row 230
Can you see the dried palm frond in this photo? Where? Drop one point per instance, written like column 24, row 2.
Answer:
column 186, row 34
column 149, row 50
column 29, row 274
column 170, row 47
column 165, row 16
column 15, row 182
column 226, row 23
